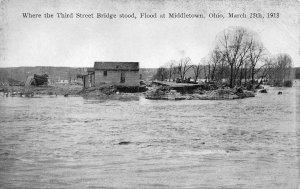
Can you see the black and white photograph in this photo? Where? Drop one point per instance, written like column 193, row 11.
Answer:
column 149, row 94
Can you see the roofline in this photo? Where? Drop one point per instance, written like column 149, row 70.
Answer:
column 114, row 62
column 118, row 69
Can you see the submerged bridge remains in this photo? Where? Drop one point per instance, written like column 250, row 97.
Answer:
column 180, row 87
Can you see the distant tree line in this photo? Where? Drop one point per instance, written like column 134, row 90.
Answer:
column 238, row 58
column 21, row 73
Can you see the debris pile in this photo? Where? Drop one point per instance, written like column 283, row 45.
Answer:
column 104, row 90
column 162, row 93
column 263, row 91
column 37, row 80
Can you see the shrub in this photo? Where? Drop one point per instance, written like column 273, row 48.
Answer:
column 288, row 83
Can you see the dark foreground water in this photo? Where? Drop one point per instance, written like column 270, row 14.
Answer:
column 74, row 142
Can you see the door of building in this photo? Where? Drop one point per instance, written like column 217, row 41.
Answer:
column 122, row 80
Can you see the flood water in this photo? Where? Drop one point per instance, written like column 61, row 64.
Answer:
column 74, row 142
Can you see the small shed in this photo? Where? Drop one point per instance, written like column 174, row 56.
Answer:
column 89, row 78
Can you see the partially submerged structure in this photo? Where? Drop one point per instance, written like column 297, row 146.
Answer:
column 89, row 78
column 124, row 74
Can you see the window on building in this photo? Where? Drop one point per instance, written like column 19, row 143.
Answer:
column 122, row 77
column 105, row 73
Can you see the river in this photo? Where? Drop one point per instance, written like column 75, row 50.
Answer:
column 74, row 142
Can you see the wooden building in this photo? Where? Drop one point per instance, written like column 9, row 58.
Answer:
column 114, row 73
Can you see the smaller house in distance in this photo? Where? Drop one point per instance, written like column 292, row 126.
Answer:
column 114, row 73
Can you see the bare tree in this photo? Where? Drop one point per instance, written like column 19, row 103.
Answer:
column 161, row 74
column 197, row 69
column 231, row 46
column 174, row 72
column 283, row 66
column 245, row 71
column 171, row 69
column 216, row 58
column 239, row 47
column 184, row 65
column 265, row 70
column 243, row 57
column 276, row 69
column 270, row 65
column 256, row 53
column 206, row 70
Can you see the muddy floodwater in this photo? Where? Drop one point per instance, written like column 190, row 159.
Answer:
column 73, row 142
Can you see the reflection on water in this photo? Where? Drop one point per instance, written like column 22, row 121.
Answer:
column 74, row 142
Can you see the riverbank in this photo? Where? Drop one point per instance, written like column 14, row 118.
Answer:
column 103, row 92
column 111, row 92
column 65, row 90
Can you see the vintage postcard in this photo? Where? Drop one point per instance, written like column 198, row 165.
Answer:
column 149, row 94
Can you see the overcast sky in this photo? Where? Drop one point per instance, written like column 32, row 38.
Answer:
column 152, row 42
